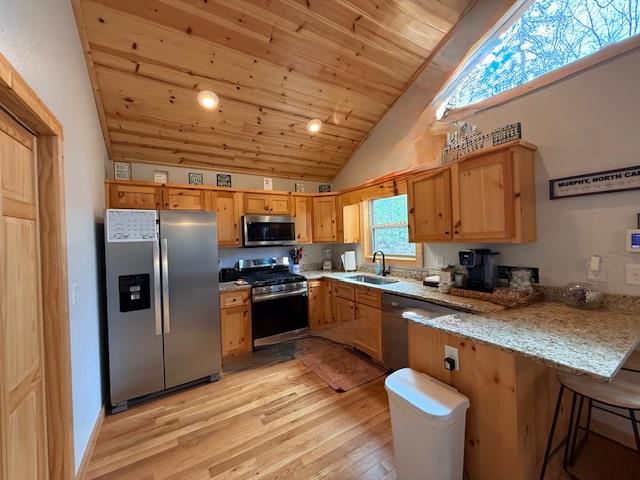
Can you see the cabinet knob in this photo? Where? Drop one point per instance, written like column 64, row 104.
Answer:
column 446, row 233
column 412, row 210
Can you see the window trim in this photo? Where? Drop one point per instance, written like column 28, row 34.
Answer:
column 390, row 260
column 477, row 52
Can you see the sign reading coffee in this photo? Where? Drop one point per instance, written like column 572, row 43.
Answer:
column 600, row 182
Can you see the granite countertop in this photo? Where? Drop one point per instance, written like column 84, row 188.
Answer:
column 231, row 286
column 587, row 342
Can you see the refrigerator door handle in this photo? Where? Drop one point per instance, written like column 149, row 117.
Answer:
column 165, row 286
column 156, row 288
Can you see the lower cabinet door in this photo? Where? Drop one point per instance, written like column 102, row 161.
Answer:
column 345, row 310
column 236, row 330
column 368, row 332
column 316, row 305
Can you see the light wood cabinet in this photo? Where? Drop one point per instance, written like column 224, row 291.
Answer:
column 487, row 197
column 135, row 196
column 280, row 204
column 267, row 204
column 368, row 330
column 324, row 219
column 351, row 223
column 228, row 207
column 316, row 304
column 303, row 210
column 345, row 310
column 429, row 204
column 329, row 303
column 483, row 202
column 235, row 322
column 185, row 199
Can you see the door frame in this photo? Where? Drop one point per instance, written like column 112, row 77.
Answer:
column 24, row 105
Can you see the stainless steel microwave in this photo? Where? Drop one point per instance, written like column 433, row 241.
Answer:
column 265, row 230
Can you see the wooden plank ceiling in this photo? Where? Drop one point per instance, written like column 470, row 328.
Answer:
column 275, row 64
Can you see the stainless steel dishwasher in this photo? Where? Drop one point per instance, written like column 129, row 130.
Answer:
column 395, row 326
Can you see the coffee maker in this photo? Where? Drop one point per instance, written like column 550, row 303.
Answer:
column 482, row 268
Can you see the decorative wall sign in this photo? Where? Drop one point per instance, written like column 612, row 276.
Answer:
column 600, row 182
column 267, row 183
column 160, row 176
column 196, row 178
column 324, row 187
column 300, row 188
column 223, row 180
column 469, row 139
column 122, row 170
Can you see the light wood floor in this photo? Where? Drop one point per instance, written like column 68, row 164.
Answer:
column 276, row 422
column 273, row 421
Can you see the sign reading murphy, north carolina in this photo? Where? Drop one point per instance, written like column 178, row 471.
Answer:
column 600, row 182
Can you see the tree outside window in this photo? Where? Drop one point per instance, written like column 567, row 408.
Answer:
column 389, row 227
column 549, row 35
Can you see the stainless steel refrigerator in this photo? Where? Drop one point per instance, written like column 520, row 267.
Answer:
column 163, row 315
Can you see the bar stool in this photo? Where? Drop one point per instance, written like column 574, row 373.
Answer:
column 622, row 392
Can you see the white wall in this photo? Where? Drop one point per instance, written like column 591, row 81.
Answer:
column 583, row 124
column 41, row 40
column 144, row 172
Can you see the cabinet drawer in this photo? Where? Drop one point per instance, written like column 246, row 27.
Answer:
column 234, row 299
column 369, row 296
column 344, row 291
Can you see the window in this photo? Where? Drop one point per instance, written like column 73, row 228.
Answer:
column 389, row 227
column 548, row 35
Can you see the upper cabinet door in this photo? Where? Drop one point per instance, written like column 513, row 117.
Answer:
column 351, row 223
column 227, row 206
column 304, row 219
column 185, row 199
column 135, row 196
column 257, row 203
column 280, row 205
column 324, row 219
column 429, row 203
column 483, row 199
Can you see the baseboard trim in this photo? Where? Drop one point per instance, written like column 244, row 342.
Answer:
column 91, row 445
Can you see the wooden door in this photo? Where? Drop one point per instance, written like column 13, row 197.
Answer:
column 135, row 196
column 23, row 435
column 304, row 219
column 185, row 199
column 235, row 324
column 256, row 203
column 368, row 337
column 351, row 223
column 279, row 205
column 227, row 206
column 324, row 219
column 483, row 201
column 316, row 304
column 429, row 203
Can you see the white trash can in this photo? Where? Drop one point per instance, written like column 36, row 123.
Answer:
column 428, row 420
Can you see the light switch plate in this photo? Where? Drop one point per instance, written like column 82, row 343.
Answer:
column 632, row 273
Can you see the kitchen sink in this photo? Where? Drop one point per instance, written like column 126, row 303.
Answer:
column 371, row 279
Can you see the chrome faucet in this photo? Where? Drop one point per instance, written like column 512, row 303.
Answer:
column 385, row 270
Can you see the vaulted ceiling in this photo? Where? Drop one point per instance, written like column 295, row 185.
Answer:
column 275, row 64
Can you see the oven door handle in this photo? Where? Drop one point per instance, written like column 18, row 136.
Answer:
column 272, row 296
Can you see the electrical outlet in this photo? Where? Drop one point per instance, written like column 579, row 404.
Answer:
column 452, row 352
column 632, row 273
column 75, row 294
column 439, row 260
column 596, row 269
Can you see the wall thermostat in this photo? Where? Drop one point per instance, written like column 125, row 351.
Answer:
column 633, row 240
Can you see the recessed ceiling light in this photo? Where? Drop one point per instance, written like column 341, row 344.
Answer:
column 208, row 99
column 314, row 125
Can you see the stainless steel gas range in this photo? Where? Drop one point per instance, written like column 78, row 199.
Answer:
column 278, row 297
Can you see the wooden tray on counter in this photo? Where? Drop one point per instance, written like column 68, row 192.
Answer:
column 501, row 297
